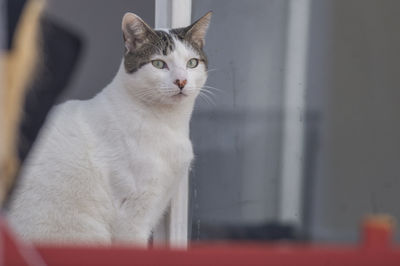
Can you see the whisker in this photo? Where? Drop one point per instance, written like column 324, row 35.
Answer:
column 163, row 90
column 208, row 87
column 211, row 87
column 209, row 92
column 207, row 98
column 201, row 96
column 143, row 95
column 211, row 70
column 165, row 87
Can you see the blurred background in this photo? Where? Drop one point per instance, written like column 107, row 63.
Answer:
column 301, row 139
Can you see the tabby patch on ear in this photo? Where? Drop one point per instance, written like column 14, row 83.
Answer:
column 196, row 32
column 136, row 32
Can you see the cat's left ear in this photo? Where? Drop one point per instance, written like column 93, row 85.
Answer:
column 136, row 32
column 197, row 31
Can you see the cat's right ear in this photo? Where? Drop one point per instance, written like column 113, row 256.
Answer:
column 135, row 32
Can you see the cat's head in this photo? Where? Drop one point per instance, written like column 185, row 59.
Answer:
column 164, row 66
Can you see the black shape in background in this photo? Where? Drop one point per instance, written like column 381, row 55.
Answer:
column 60, row 51
column 268, row 231
column 14, row 10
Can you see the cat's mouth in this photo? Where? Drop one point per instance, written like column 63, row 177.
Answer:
column 179, row 95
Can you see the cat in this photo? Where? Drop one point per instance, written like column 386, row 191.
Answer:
column 104, row 170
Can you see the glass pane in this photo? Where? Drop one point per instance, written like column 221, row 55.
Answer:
column 237, row 133
column 353, row 96
column 351, row 135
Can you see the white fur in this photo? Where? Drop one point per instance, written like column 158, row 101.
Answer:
column 104, row 170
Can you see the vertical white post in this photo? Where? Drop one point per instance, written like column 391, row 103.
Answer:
column 294, row 110
column 174, row 14
column 181, row 13
column 163, row 14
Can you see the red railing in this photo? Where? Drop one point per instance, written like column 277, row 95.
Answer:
column 376, row 248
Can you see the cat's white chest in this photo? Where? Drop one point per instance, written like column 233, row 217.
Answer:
column 164, row 156
column 154, row 161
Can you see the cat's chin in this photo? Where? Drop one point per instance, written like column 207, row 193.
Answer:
column 176, row 99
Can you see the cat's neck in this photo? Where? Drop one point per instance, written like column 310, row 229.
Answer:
column 123, row 103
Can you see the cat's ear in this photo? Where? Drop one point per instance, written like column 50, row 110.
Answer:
column 197, row 31
column 135, row 32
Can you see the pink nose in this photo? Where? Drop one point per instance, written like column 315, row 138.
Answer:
column 180, row 83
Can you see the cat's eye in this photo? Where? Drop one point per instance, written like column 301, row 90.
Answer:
column 192, row 63
column 159, row 64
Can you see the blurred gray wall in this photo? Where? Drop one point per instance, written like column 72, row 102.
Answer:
column 354, row 72
column 99, row 24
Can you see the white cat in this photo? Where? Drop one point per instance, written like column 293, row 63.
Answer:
column 104, row 170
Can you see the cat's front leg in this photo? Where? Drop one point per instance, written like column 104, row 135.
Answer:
column 127, row 232
column 135, row 218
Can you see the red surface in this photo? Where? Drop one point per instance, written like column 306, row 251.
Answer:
column 224, row 255
column 376, row 249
